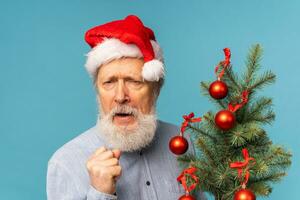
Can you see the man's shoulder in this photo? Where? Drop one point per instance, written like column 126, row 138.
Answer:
column 80, row 146
column 166, row 126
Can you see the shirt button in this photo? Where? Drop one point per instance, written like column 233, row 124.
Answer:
column 148, row 182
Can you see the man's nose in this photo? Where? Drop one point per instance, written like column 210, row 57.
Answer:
column 121, row 96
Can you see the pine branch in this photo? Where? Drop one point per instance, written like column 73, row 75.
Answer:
column 187, row 158
column 267, row 78
column 203, row 133
column 259, row 146
column 259, row 106
column 237, row 139
column 206, row 151
column 281, row 164
column 280, row 151
column 232, row 79
column 252, row 64
column 271, row 178
column 279, row 159
column 253, row 132
column 260, row 188
column 204, row 88
column 201, row 164
column 268, row 118
column 221, row 175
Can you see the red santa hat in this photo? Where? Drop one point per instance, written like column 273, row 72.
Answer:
column 124, row 38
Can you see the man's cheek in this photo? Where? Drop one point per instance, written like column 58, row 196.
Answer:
column 105, row 103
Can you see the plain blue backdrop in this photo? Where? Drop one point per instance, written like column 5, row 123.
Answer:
column 47, row 98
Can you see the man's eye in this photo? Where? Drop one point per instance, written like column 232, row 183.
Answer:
column 108, row 82
column 135, row 84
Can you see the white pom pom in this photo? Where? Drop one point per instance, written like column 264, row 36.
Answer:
column 153, row 70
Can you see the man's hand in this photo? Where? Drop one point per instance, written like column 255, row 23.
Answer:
column 103, row 167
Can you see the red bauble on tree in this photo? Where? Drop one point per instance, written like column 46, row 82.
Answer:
column 225, row 119
column 218, row 90
column 187, row 197
column 178, row 145
column 244, row 194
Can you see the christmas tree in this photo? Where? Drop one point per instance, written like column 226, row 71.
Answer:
column 236, row 153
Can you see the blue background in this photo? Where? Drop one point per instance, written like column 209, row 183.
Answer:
column 47, row 98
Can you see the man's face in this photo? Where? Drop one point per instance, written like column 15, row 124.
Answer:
column 120, row 82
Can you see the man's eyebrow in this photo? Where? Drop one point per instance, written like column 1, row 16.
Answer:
column 128, row 77
column 108, row 78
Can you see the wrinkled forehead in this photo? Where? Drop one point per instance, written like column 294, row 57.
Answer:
column 122, row 68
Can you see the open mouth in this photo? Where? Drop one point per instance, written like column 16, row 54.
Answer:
column 124, row 114
column 123, row 119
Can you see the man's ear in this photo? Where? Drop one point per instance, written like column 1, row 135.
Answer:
column 156, row 90
column 95, row 79
column 98, row 101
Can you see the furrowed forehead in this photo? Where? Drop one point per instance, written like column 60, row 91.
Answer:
column 123, row 68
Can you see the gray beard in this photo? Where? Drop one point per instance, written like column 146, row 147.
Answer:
column 128, row 140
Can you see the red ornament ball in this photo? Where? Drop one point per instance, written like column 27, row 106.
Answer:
column 225, row 119
column 187, row 197
column 178, row 145
column 218, row 90
column 244, row 194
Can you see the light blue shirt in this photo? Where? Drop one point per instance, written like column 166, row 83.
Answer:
column 149, row 174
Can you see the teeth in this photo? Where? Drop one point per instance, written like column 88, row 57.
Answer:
column 123, row 113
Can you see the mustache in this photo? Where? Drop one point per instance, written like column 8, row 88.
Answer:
column 124, row 109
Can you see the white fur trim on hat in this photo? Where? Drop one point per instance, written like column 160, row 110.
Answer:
column 112, row 48
column 153, row 70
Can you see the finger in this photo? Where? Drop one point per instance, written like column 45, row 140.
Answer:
column 105, row 155
column 108, row 163
column 117, row 153
column 99, row 151
column 118, row 177
column 116, row 170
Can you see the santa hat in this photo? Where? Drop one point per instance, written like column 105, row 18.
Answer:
column 124, row 38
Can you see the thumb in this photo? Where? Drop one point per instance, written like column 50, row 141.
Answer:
column 117, row 153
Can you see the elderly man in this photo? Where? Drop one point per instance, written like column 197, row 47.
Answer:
column 125, row 155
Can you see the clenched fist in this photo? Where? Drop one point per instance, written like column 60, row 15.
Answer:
column 103, row 167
